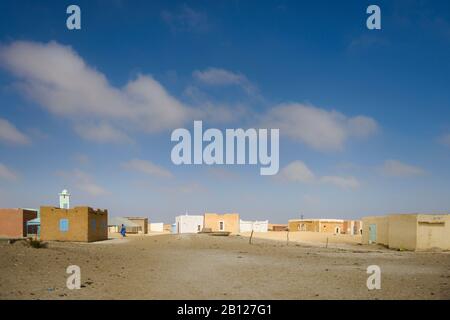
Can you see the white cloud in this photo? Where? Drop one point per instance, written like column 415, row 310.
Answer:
column 86, row 183
column 101, row 133
column 362, row 126
column 297, row 171
column 222, row 77
column 396, row 168
column 215, row 112
column 148, row 168
column 319, row 128
column 7, row 174
column 10, row 135
column 83, row 182
column 57, row 78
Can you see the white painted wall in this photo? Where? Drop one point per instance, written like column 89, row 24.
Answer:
column 245, row 226
column 156, row 227
column 189, row 224
column 256, row 226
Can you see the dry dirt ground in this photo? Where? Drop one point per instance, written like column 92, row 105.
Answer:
column 208, row 267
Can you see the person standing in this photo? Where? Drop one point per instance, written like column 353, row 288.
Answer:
column 123, row 231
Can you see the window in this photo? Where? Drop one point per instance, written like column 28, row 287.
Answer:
column 63, row 225
column 221, row 226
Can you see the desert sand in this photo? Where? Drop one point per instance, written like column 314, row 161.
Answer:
column 207, row 267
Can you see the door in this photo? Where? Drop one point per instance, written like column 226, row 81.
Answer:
column 372, row 233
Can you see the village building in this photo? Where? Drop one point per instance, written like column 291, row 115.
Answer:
column 228, row 222
column 334, row 226
column 352, row 227
column 13, row 222
column 34, row 226
column 142, row 222
column 188, row 224
column 82, row 224
column 256, row 226
column 277, row 227
column 115, row 225
column 156, row 227
column 408, row 231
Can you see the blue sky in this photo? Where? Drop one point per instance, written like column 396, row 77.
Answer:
column 364, row 115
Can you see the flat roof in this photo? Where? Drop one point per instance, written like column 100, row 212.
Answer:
column 405, row 214
column 320, row 220
column 118, row 221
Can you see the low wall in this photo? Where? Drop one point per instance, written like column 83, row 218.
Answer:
column 306, row 237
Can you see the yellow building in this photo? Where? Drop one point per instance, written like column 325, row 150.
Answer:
column 335, row 226
column 222, row 222
column 77, row 224
column 408, row 231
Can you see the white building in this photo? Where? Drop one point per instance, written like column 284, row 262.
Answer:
column 256, row 226
column 189, row 224
column 156, row 227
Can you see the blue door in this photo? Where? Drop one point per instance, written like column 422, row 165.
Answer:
column 372, row 233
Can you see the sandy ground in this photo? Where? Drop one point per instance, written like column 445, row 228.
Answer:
column 208, row 267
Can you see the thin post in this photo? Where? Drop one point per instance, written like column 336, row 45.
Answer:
column 251, row 236
column 287, row 238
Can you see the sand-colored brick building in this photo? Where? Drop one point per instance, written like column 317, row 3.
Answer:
column 335, row 226
column 222, row 222
column 316, row 225
column 353, row 227
column 277, row 227
column 82, row 224
column 408, row 231
column 140, row 221
column 13, row 222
